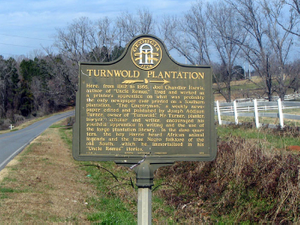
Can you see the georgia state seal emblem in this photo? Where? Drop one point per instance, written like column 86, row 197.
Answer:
column 146, row 53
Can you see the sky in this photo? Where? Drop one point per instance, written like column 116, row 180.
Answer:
column 28, row 26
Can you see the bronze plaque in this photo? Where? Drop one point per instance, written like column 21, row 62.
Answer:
column 144, row 104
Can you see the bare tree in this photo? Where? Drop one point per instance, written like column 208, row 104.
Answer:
column 130, row 25
column 82, row 40
column 294, row 70
column 267, row 46
column 103, row 41
column 189, row 35
column 175, row 37
column 3, row 87
column 256, row 48
column 62, row 86
column 146, row 22
column 208, row 31
column 73, row 41
column 224, row 31
column 281, row 42
column 291, row 17
column 8, row 87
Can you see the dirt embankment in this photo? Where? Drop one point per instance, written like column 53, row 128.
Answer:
column 44, row 185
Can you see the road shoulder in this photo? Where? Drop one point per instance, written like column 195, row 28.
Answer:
column 44, row 183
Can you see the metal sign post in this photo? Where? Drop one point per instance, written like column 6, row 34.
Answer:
column 144, row 181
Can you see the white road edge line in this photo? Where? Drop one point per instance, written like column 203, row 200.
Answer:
column 15, row 153
column 2, row 165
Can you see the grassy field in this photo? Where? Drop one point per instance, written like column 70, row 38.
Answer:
column 266, row 120
column 262, row 120
column 246, row 89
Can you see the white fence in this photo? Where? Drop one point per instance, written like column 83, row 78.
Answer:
column 254, row 109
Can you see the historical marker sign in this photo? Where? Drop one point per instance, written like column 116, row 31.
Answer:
column 144, row 103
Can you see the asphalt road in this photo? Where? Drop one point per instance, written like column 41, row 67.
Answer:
column 14, row 142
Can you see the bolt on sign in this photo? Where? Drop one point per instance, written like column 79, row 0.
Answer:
column 144, row 104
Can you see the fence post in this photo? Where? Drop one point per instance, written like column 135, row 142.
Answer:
column 219, row 113
column 280, row 113
column 235, row 113
column 256, row 113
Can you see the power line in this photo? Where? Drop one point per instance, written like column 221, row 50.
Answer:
column 42, row 39
column 24, row 46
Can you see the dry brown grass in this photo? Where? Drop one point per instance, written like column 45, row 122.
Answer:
column 246, row 183
column 45, row 185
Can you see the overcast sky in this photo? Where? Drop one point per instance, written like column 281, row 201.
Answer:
column 27, row 25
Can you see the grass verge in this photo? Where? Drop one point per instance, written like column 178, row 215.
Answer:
column 117, row 200
column 44, row 184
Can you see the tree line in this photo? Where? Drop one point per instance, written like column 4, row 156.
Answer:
column 224, row 34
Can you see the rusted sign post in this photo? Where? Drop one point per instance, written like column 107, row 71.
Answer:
column 144, row 108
